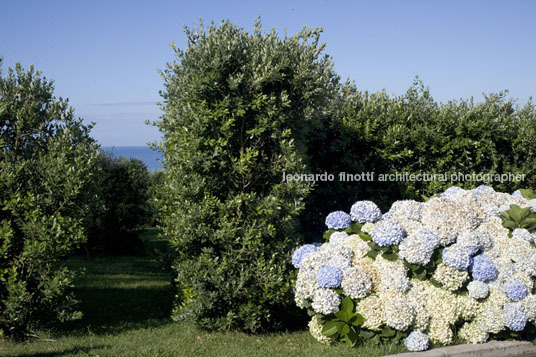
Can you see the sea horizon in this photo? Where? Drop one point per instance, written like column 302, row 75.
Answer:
column 144, row 153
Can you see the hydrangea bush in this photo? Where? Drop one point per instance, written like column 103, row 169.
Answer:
column 460, row 266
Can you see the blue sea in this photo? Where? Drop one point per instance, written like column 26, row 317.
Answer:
column 143, row 153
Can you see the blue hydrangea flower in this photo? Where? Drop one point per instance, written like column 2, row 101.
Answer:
column 456, row 257
column 470, row 241
column 477, row 289
column 329, row 277
column 482, row 189
column 365, row 212
column 428, row 238
column 417, row 341
column 450, row 191
column 387, row 215
column 517, row 193
column 301, row 253
column 387, row 232
column 483, row 268
column 338, row 220
column 532, row 204
column 514, row 317
column 515, row 289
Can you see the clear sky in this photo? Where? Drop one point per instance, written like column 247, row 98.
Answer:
column 104, row 55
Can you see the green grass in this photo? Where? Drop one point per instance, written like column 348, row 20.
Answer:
column 126, row 303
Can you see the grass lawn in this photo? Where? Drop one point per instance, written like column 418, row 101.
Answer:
column 126, row 303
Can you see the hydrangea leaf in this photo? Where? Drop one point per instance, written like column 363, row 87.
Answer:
column 528, row 193
column 331, row 328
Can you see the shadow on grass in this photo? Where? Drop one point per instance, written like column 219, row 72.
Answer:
column 118, row 294
column 66, row 352
column 114, row 310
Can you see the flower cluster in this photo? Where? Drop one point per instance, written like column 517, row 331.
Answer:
column 417, row 341
column 301, row 253
column 387, row 232
column 424, row 267
column 338, row 220
column 329, row 277
column 365, row 212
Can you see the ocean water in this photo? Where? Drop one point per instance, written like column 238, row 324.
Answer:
column 143, row 153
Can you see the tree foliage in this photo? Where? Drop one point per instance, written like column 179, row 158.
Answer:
column 120, row 207
column 46, row 164
column 240, row 110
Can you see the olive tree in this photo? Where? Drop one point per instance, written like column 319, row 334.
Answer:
column 240, row 110
column 46, row 163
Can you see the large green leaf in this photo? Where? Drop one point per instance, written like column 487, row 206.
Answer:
column 527, row 193
column 357, row 319
column 332, row 328
column 347, row 305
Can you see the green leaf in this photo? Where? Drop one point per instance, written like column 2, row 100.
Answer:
column 528, row 194
column 354, row 228
column 351, row 337
column 358, row 319
column 344, row 330
column 388, row 332
column 390, row 256
column 347, row 305
column 328, row 233
column 365, row 334
column 372, row 254
column 366, row 237
column 343, row 315
column 376, row 340
column 332, row 327
column 435, row 283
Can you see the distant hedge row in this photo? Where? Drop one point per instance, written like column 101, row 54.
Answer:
column 241, row 109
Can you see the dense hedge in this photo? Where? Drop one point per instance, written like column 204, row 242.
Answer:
column 120, row 206
column 240, row 109
column 414, row 134
column 47, row 161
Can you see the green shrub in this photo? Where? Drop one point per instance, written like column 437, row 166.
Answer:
column 121, row 206
column 414, row 134
column 240, row 110
column 156, row 180
column 46, row 164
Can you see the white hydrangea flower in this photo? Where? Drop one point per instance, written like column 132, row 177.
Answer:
column 522, row 233
column 359, row 247
column 355, row 283
column 407, row 210
column 449, row 218
column 451, row 278
column 371, row 308
column 440, row 332
column 326, row 301
column 417, row 296
column 529, row 307
column 338, row 237
column 367, row 227
column 398, row 312
column 306, row 286
column 315, row 328
column 393, row 274
column 477, row 289
column 472, row 332
column 467, row 307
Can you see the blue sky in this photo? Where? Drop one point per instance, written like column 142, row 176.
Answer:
column 104, row 55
